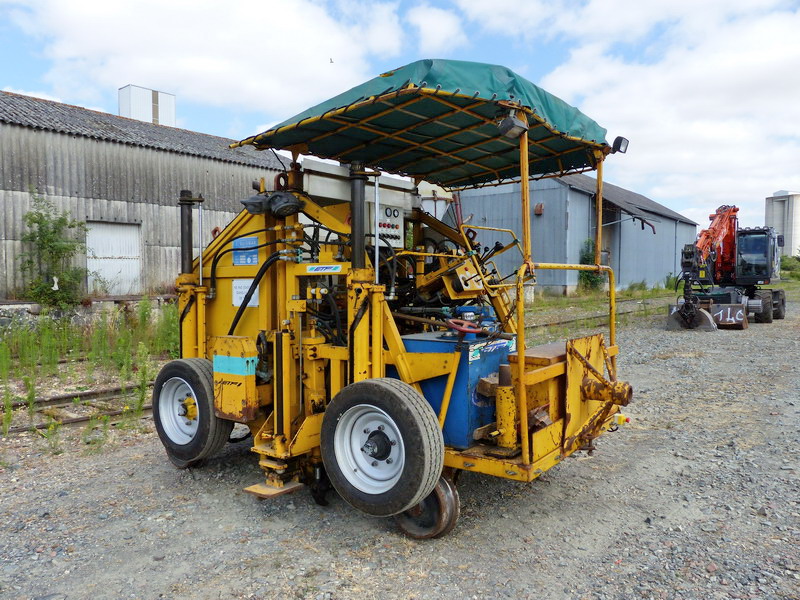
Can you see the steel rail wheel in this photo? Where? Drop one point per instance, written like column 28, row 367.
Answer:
column 183, row 412
column 435, row 516
column 381, row 446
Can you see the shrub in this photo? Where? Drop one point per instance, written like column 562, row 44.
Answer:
column 54, row 239
column 790, row 263
column 588, row 280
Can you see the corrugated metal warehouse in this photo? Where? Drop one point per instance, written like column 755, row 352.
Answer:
column 122, row 177
column 642, row 239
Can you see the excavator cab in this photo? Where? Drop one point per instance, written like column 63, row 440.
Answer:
column 757, row 256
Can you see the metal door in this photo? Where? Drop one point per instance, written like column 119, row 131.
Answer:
column 114, row 258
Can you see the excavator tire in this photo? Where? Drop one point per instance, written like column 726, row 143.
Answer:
column 780, row 310
column 765, row 316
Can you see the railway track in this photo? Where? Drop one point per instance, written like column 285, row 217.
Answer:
column 624, row 307
column 93, row 399
column 101, row 398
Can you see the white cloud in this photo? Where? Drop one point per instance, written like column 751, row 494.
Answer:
column 439, row 30
column 523, row 18
column 42, row 95
column 705, row 92
column 273, row 57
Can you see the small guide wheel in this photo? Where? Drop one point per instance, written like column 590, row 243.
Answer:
column 435, row 516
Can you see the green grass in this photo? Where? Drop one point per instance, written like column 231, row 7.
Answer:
column 104, row 342
column 144, row 374
column 53, row 437
column 30, row 394
column 116, row 342
column 96, row 440
column 598, row 300
column 8, row 410
column 5, row 361
column 791, row 287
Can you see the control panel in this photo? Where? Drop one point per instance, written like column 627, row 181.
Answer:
column 330, row 184
column 390, row 223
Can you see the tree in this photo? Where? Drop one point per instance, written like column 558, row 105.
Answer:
column 54, row 239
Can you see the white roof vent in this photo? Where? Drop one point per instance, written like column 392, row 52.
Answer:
column 148, row 105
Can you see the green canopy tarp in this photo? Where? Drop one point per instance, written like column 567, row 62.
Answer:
column 437, row 120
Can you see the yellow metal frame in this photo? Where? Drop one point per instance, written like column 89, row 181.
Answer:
column 308, row 370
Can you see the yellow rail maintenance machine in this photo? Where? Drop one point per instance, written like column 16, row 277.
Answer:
column 368, row 345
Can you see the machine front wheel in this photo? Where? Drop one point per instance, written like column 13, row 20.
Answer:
column 381, row 446
column 435, row 516
column 183, row 412
column 765, row 316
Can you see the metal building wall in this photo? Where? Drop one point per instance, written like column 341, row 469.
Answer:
column 568, row 221
column 651, row 257
column 581, row 217
column 557, row 234
column 104, row 181
column 500, row 207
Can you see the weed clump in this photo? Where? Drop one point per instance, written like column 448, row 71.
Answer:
column 588, row 280
column 8, row 410
column 54, row 239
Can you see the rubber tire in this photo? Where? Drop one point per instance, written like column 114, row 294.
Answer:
column 765, row 316
column 422, row 440
column 780, row 311
column 212, row 432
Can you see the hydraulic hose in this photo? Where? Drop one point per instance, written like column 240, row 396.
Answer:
column 362, row 309
column 337, row 318
column 271, row 260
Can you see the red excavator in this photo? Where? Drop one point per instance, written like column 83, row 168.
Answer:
column 722, row 275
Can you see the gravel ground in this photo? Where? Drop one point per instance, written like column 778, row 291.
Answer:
column 698, row 497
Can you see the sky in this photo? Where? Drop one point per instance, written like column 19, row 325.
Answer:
column 707, row 92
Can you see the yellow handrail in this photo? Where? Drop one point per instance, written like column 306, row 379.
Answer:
column 522, row 394
column 612, row 298
column 521, row 390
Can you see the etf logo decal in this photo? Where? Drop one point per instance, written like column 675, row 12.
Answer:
column 324, row 269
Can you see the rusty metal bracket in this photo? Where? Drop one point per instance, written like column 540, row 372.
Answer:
column 616, row 392
column 584, row 361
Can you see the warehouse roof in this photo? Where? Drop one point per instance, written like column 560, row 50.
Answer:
column 632, row 203
column 36, row 113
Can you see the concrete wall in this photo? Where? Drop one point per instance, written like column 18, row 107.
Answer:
column 96, row 180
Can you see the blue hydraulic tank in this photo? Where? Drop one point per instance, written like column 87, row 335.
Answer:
column 468, row 410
